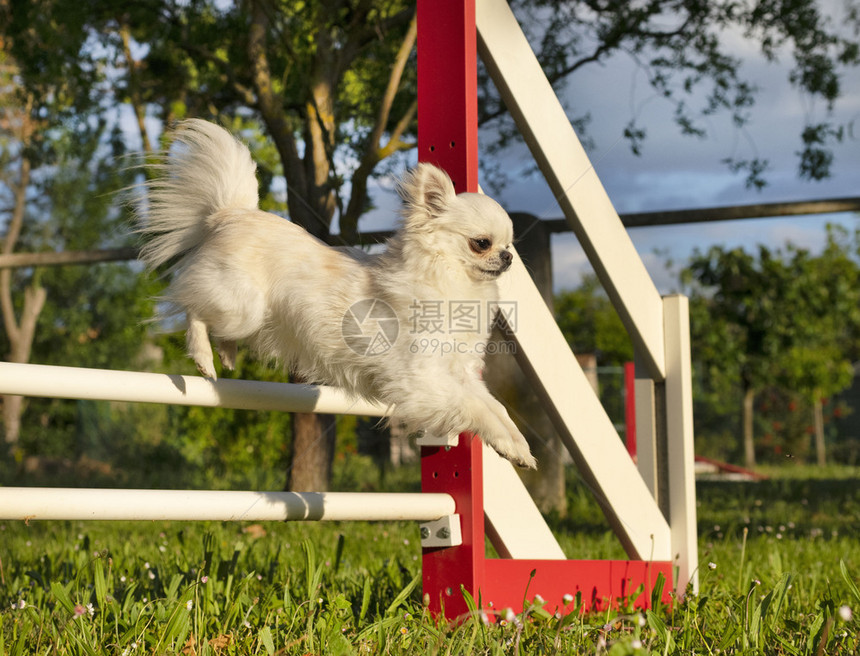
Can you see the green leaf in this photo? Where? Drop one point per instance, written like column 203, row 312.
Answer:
column 266, row 639
column 61, row 594
column 99, row 583
column 849, row 581
column 403, row 594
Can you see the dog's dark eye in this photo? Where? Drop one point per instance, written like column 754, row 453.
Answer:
column 480, row 245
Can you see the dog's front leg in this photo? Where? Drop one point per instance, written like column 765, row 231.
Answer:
column 199, row 347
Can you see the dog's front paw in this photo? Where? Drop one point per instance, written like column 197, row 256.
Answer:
column 521, row 456
column 227, row 353
column 207, row 369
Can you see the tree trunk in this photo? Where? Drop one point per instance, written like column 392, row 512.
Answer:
column 749, row 443
column 507, row 381
column 21, row 342
column 818, row 420
column 19, row 332
column 313, row 452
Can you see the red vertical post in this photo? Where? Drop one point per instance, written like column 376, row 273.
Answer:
column 455, row 471
column 447, row 89
column 630, row 407
column 448, row 137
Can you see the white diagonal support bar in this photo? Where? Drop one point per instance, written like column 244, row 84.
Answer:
column 133, row 386
column 646, row 434
column 565, row 165
column 513, row 522
column 582, row 422
column 679, row 441
column 34, row 503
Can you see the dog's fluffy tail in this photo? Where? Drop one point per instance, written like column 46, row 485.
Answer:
column 206, row 171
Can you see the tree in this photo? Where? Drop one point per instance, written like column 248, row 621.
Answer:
column 590, row 324
column 785, row 319
column 16, row 133
column 684, row 50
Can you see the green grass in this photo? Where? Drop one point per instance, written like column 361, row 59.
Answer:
column 779, row 566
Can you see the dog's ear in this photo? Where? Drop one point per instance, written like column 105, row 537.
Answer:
column 428, row 188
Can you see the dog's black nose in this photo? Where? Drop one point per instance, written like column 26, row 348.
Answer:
column 506, row 258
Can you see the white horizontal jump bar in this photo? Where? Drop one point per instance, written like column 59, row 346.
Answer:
column 35, row 503
column 107, row 385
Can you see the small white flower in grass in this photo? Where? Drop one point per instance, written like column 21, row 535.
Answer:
column 91, row 610
column 151, row 574
column 845, row 613
column 539, row 600
column 641, row 621
column 510, row 616
column 756, row 581
column 712, row 566
column 484, row 618
column 567, row 598
column 636, row 644
column 21, row 604
column 189, row 604
column 146, row 565
column 122, row 578
column 403, row 630
column 162, row 548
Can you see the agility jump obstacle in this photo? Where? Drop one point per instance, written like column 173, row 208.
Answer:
column 469, row 492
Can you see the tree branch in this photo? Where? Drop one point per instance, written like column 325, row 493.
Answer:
column 134, row 89
column 268, row 101
column 13, row 231
column 372, row 151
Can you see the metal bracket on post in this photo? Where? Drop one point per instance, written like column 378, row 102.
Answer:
column 442, row 532
column 452, row 439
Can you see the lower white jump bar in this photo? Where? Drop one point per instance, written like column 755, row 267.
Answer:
column 35, row 503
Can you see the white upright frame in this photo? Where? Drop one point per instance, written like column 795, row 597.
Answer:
column 659, row 328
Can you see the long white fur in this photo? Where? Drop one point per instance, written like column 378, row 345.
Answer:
column 243, row 274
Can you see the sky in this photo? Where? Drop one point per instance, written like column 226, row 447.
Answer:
column 676, row 172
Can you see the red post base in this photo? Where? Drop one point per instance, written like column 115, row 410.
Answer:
column 497, row 584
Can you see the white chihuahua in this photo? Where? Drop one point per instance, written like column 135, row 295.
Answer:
column 407, row 327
